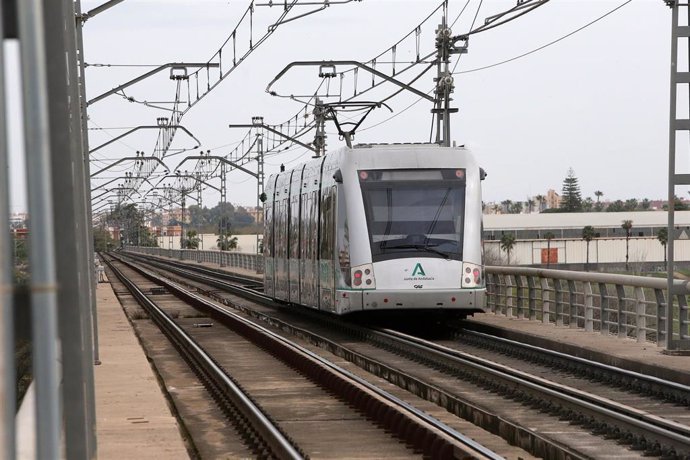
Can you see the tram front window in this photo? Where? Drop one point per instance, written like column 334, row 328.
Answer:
column 414, row 212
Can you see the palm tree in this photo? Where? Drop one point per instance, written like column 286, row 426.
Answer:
column 549, row 236
column 588, row 235
column 627, row 226
column 192, row 241
column 530, row 204
column 598, row 194
column 507, row 204
column 226, row 241
column 507, row 243
column 540, row 199
column 662, row 236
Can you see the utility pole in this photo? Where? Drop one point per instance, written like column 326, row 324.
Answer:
column 259, row 180
column 675, row 288
column 320, row 134
column 444, row 80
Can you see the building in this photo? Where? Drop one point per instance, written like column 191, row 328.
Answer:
column 567, row 249
column 553, row 199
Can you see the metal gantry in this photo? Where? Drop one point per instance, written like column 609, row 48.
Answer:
column 669, row 312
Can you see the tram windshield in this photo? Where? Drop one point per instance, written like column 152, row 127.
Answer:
column 411, row 212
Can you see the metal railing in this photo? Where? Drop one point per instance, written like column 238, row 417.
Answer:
column 230, row 259
column 624, row 305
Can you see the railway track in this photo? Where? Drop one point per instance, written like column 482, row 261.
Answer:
column 582, row 417
column 299, row 378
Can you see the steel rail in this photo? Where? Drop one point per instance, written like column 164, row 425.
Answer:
column 667, row 432
column 638, row 376
column 423, row 420
column 278, row 443
column 532, row 442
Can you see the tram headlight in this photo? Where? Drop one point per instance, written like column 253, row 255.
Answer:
column 472, row 275
column 363, row 277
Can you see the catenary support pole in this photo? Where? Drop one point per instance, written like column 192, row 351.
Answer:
column 7, row 369
column 41, row 240
column 70, row 230
column 87, row 182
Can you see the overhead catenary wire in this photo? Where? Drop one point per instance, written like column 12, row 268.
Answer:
column 547, row 44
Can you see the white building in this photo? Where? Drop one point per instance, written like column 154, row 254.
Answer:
column 568, row 247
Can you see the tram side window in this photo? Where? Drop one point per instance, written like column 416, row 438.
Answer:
column 327, row 224
column 294, row 227
column 268, row 244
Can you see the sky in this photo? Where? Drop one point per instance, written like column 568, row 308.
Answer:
column 595, row 101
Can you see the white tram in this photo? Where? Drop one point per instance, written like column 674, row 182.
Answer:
column 377, row 227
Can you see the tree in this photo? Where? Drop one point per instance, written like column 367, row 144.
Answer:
column 102, row 241
column 679, row 205
column 571, row 200
column 515, row 208
column 507, row 243
column 599, row 207
column 616, row 206
column 129, row 220
column 662, row 236
column 631, row 204
column 507, row 204
column 646, row 204
column 191, row 241
column 549, row 236
column 627, row 226
column 226, row 241
column 530, row 205
column 588, row 204
column 541, row 199
column 588, row 235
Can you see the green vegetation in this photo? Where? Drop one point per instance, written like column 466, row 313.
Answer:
column 131, row 222
column 226, row 242
column 588, row 236
column 627, row 226
column 102, row 241
column 571, row 198
column 662, row 236
column 220, row 218
column 191, row 241
column 507, row 243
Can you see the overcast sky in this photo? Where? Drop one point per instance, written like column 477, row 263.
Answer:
column 596, row 101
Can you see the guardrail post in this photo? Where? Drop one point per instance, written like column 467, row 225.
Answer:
column 572, row 300
column 682, row 317
column 490, row 292
column 660, row 308
column 532, row 294
column 589, row 307
column 604, row 314
column 622, row 315
column 560, row 293
column 640, row 315
column 546, row 301
column 519, row 291
column 509, row 296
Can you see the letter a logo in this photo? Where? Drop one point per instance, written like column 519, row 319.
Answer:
column 418, row 270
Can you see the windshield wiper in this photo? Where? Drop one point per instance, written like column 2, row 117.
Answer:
column 423, row 247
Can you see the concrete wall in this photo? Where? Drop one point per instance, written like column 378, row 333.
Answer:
column 246, row 243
